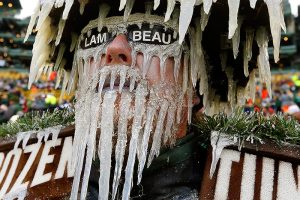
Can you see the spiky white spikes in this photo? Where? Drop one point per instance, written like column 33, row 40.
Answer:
column 32, row 21
column 233, row 14
column 123, row 72
column 59, row 3
column 58, row 77
column 61, row 26
column 122, row 140
column 105, row 143
column 246, row 71
column 103, row 75
column 156, row 144
column 128, row 8
column 204, row 18
column 68, row 6
column 113, row 78
column 64, row 85
column 46, row 9
column 140, row 95
column 170, row 8
column 156, row 4
column 236, row 38
column 253, row 3
column 103, row 12
column 60, row 55
column 186, row 14
column 74, row 38
column 82, row 5
column 276, row 23
column 132, row 82
column 207, row 5
column 122, row 4
column 146, row 64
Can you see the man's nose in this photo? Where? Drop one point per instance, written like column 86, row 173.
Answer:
column 118, row 52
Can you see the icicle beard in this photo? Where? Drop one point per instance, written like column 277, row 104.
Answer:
column 120, row 112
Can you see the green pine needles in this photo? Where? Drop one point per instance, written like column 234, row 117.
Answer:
column 252, row 127
column 37, row 120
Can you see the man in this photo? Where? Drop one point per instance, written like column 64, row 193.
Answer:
column 135, row 73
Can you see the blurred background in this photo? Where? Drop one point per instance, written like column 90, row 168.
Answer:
column 15, row 57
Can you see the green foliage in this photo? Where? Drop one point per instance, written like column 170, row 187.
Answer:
column 36, row 121
column 253, row 127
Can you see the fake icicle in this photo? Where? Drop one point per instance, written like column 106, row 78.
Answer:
column 82, row 5
column 60, row 55
column 253, row 3
column 105, row 143
column 32, row 21
column 128, row 8
column 186, row 13
column 170, row 121
column 61, row 26
column 103, row 12
column 44, row 13
column 206, row 6
column 170, row 8
column 123, row 72
column 248, row 49
column 204, row 18
column 185, row 78
column 59, row 3
column 156, row 4
column 140, row 94
column 155, row 149
column 74, row 38
column 276, row 23
column 122, row 140
column 236, row 38
column 218, row 142
column 233, row 13
column 68, row 6
column 122, row 5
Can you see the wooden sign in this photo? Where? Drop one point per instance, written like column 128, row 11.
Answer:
column 39, row 170
column 264, row 172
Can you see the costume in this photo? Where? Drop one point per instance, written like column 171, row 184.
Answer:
column 136, row 113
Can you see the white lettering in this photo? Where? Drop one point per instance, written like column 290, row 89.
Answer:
column 147, row 36
column 65, row 160
column 45, row 159
column 287, row 186
column 17, row 154
column 164, row 38
column 248, row 177
column 93, row 40
column 222, row 185
column 101, row 38
column 34, row 149
column 267, row 179
column 85, row 43
column 156, row 36
column 137, row 36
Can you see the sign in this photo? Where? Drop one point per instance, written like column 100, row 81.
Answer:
column 37, row 168
column 265, row 172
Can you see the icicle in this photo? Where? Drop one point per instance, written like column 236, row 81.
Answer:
column 253, row 3
column 122, row 140
column 60, row 55
column 248, row 49
column 128, row 8
column 236, row 38
column 32, row 21
column 103, row 75
column 170, row 121
column 74, row 38
column 58, row 77
column 61, row 26
column 156, row 4
column 140, row 94
column 246, row 71
column 218, row 142
column 233, row 14
column 157, row 137
column 64, row 85
column 67, row 9
column 123, row 72
column 190, row 93
column 170, row 8
column 59, row 3
column 146, row 64
column 206, row 6
column 276, row 23
column 151, row 110
column 252, row 84
column 204, row 18
column 148, row 9
column 113, row 78
column 105, row 143
column 185, row 78
column 132, row 82
column 176, row 67
column 103, row 12
column 122, row 5
column 45, row 11
column 82, row 5
column 186, row 13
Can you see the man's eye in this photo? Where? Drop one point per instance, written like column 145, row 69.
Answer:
column 95, row 39
column 156, row 35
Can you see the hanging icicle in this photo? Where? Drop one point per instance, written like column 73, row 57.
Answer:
column 186, row 13
column 128, row 8
column 103, row 12
column 170, row 8
column 233, row 14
